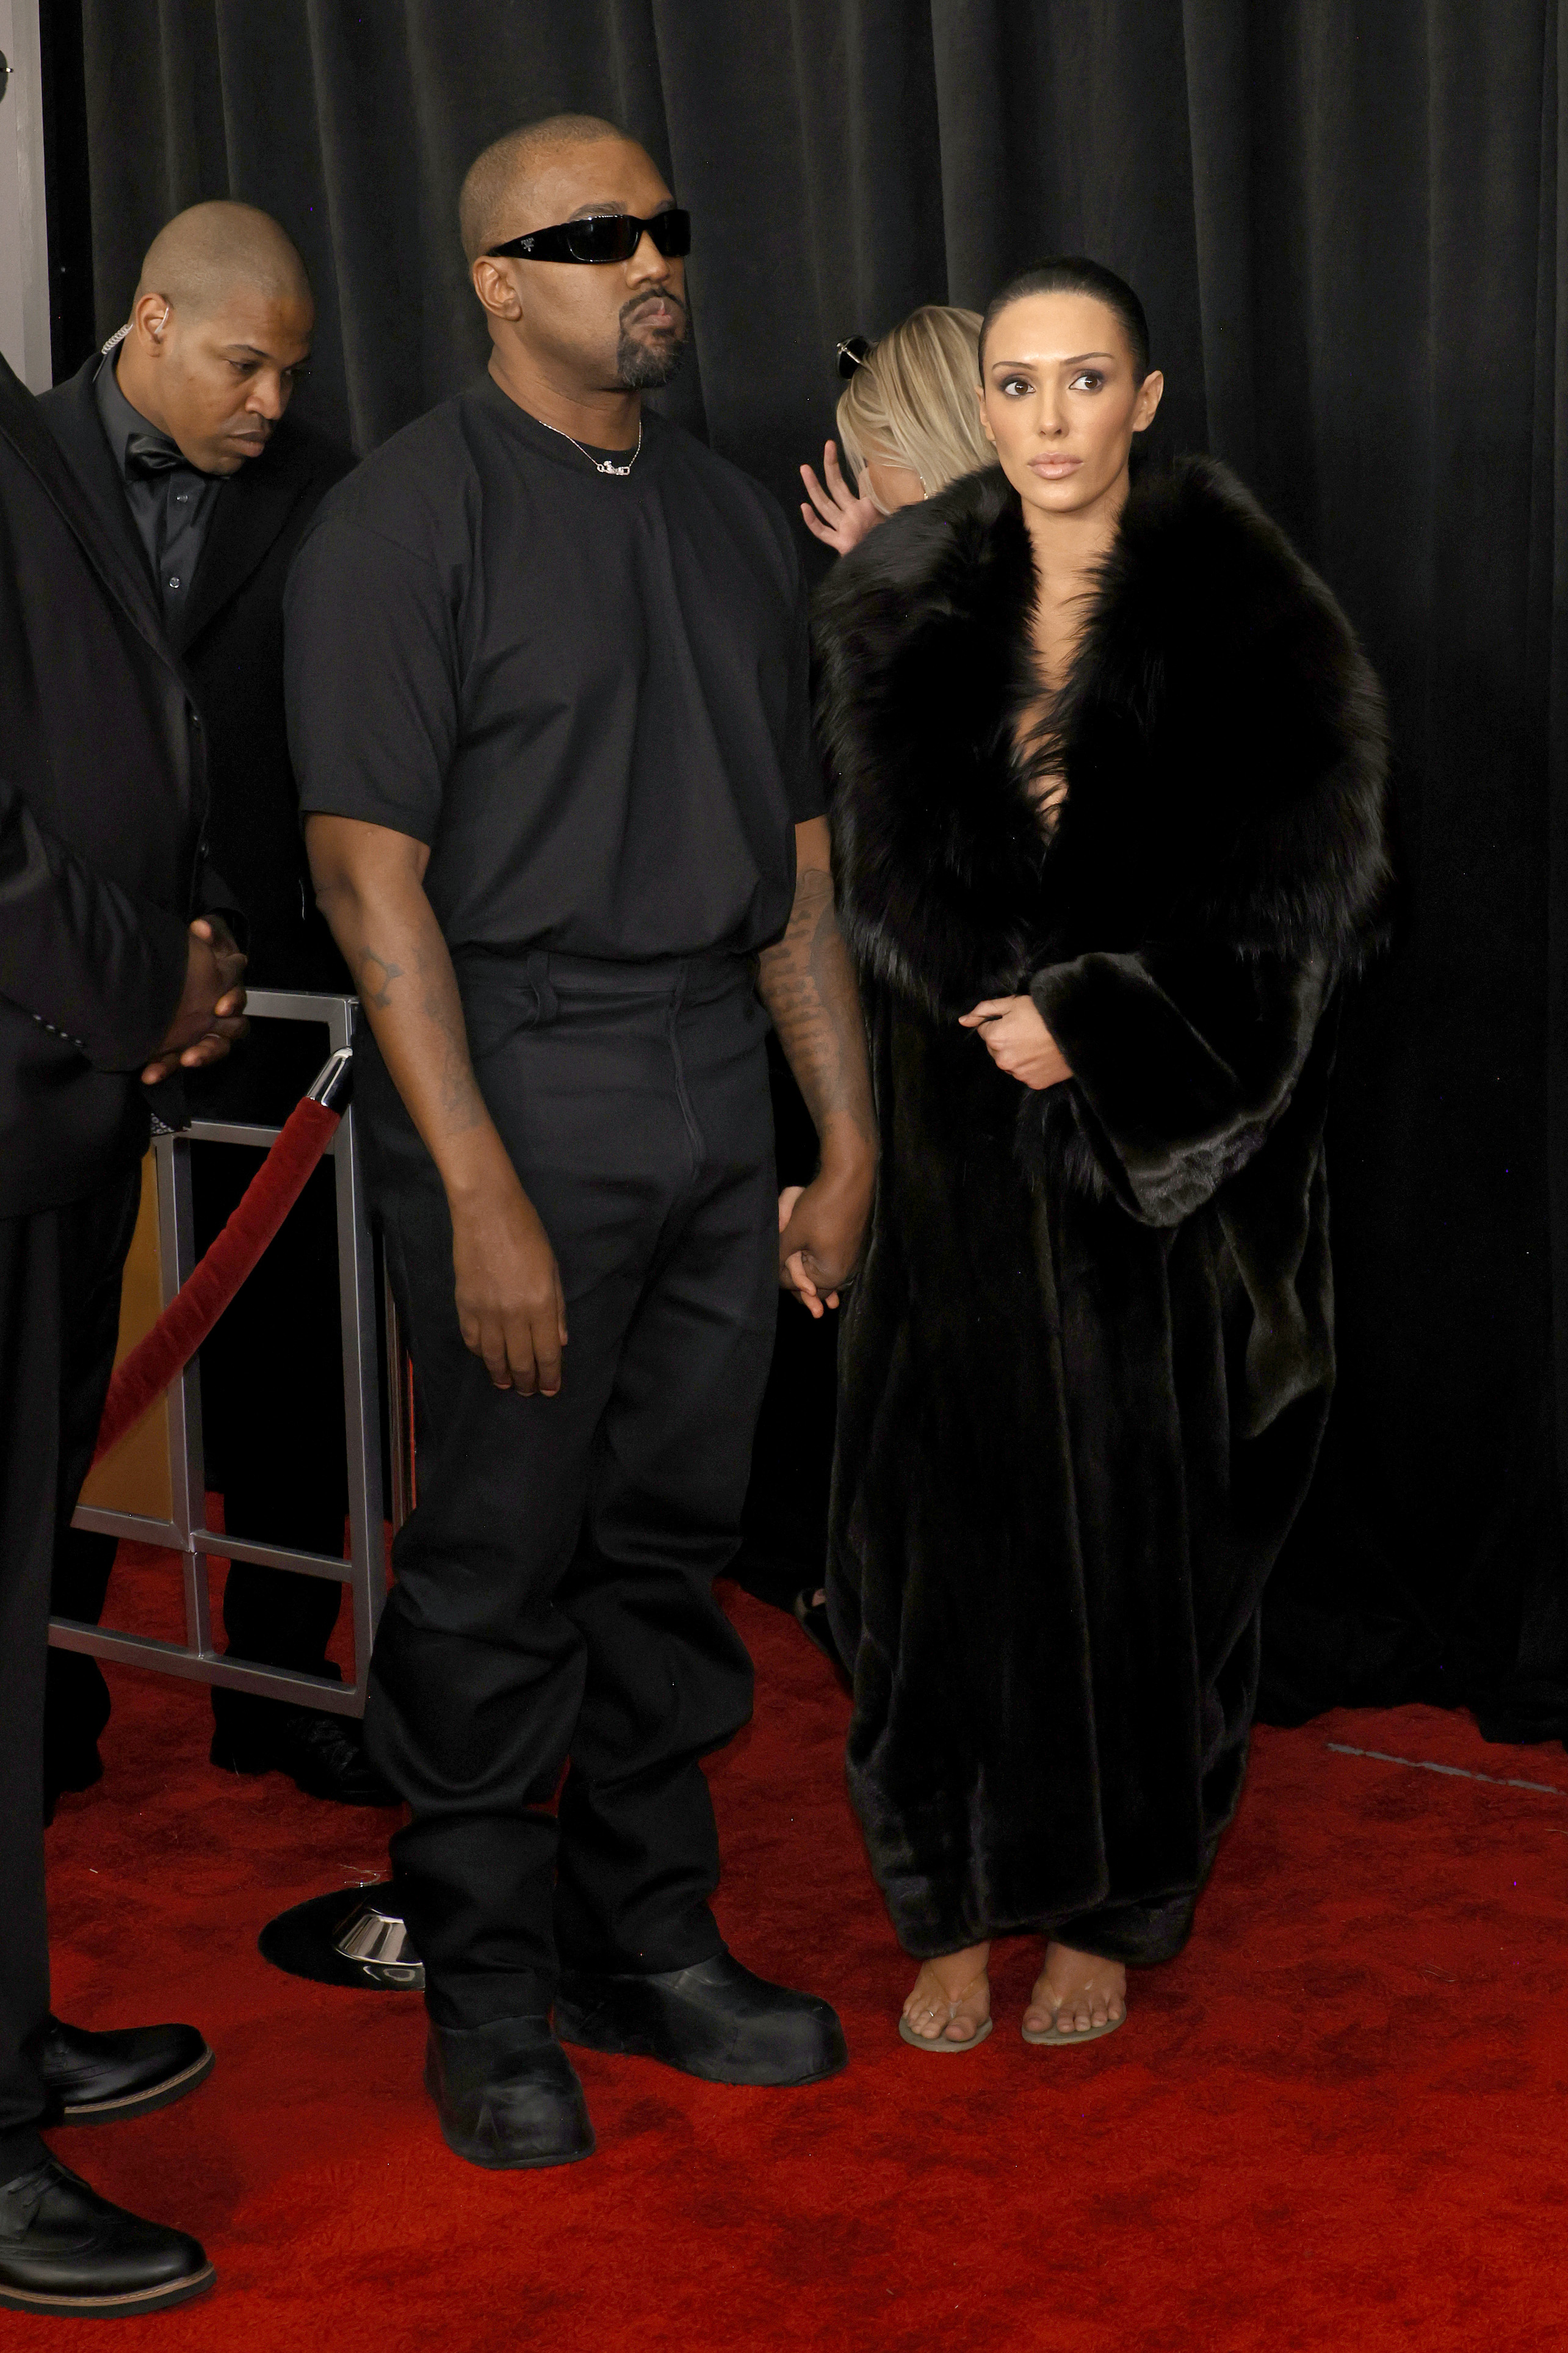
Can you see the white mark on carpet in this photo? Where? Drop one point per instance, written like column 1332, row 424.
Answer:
column 1459, row 1772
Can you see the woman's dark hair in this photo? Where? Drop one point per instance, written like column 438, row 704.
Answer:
column 1074, row 273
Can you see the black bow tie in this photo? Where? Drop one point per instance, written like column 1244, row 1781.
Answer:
column 152, row 453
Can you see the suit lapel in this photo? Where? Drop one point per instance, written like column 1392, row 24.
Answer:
column 71, row 415
column 251, row 509
column 61, row 440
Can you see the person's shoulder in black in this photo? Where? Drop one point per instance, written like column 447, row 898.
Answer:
column 722, row 481
column 415, row 490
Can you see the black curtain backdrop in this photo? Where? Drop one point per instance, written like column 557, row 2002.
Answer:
column 1346, row 218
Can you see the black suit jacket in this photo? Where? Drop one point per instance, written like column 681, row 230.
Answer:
column 102, row 806
column 230, row 642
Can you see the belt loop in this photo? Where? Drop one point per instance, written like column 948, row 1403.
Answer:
column 547, row 1004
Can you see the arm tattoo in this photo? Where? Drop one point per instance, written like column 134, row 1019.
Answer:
column 383, row 995
column 806, row 984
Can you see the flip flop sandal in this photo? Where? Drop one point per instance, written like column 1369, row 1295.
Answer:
column 941, row 2048
column 1057, row 2036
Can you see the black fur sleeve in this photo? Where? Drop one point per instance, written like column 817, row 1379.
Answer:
column 1183, row 1058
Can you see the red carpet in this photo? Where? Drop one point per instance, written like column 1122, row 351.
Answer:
column 1338, row 2122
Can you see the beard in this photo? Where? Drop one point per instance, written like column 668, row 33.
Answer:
column 643, row 365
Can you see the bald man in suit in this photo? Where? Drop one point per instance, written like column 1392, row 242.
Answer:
column 202, row 482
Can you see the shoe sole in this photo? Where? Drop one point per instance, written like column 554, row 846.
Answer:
column 576, row 2032
column 936, row 2045
column 1055, row 2039
column 138, row 2103
column 153, row 2299
column 513, row 2164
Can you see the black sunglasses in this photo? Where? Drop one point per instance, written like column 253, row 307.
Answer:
column 852, row 353
column 600, row 236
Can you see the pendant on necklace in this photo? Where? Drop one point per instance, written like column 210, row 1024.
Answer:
column 605, row 467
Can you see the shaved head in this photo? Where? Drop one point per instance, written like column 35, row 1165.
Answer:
column 220, row 334
column 198, row 260
column 499, row 181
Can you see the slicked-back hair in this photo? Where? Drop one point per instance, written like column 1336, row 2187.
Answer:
column 492, row 180
column 1075, row 273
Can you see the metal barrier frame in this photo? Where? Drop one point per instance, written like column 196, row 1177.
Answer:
column 186, row 1532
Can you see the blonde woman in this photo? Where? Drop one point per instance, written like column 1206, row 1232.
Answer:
column 910, row 423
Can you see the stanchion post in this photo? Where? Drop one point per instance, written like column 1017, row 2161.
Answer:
column 361, row 1400
column 186, row 1531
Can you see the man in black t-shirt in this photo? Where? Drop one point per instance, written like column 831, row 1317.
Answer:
column 548, row 704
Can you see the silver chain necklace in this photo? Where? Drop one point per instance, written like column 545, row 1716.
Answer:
column 600, row 465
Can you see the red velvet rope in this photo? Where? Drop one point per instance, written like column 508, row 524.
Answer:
column 201, row 1299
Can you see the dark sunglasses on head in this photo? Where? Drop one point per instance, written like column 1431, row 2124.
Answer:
column 600, row 236
column 852, row 353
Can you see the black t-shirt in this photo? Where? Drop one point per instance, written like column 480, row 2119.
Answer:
column 588, row 694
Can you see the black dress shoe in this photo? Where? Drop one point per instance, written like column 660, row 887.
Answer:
column 64, row 2249
column 714, row 2020
column 95, row 2079
column 322, row 1755
column 506, row 2094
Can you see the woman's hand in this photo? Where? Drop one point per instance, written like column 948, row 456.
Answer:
column 1017, row 1041
column 835, row 516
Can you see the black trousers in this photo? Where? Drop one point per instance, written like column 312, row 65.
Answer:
column 554, row 1603
column 59, row 1317
column 272, row 1426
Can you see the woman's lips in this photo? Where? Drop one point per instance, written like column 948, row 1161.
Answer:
column 1054, row 469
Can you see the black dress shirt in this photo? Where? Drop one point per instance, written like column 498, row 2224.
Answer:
column 170, row 501
column 587, row 692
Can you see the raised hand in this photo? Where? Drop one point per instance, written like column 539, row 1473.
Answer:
column 835, row 516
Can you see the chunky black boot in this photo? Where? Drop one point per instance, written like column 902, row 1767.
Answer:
column 714, row 2020
column 95, row 2079
column 506, row 2094
column 64, row 2249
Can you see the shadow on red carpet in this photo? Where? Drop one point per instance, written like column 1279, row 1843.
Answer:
column 1336, row 2121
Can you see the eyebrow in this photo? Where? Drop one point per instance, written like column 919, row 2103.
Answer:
column 1076, row 360
column 614, row 205
column 254, row 352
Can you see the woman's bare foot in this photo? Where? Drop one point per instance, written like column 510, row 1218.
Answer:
column 1075, row 1991
column 951, row 1997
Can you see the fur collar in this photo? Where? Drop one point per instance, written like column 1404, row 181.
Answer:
column 1221, row 735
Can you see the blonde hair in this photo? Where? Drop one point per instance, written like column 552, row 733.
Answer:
column 913, row 400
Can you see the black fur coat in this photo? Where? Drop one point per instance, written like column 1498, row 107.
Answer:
column 1086, row 1363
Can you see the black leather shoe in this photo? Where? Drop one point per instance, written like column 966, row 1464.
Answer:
column 322, row 1755
column 95, row 2079
column 506, row 2094
column 714, row 2020
column 64, row 2249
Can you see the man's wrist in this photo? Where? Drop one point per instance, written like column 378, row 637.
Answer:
column 474, row 1169
column 848, row 1155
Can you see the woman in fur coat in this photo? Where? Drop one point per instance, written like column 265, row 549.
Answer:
column 1109, row 835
